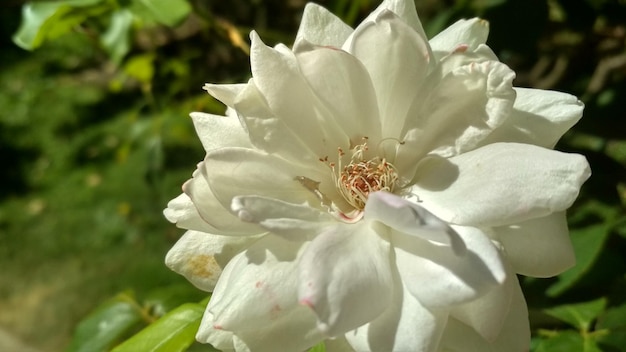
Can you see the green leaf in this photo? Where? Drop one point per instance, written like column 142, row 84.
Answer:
column 116, row 39
column 614, row 321
column 579, row 315
column 38, row 17
column 106, row 325
column 167, row 12
column 174, row 332
column 588, row 243
column 567, row 341
column 141, row 67
column 320, row 347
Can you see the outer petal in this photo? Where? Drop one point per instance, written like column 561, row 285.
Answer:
column 321, row 27
column 226, row 93
column 219, row 131
column 184, row 214
column 405, row 326
column 538, row 247
column 412, row 219
column 256, row 298
column 200, row 257
column 514, row 336
column 212, row 211
column 501, row 183
column 345, row 276
column 487, row 314
column 397, row 59
column 472, row 33
column 539, row 117
column 220, row 339
column 439, row 278
column 343, row 84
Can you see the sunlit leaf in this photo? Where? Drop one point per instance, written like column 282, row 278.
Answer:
column 141, row 67
column 167, row 12
column 106, row 325
column 116, row 39
column 36, row 16
column 320, row 347
column 173, row 332
column 588, row 243
column 579, row 315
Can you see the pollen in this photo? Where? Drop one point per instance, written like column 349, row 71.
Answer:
column 361, row 176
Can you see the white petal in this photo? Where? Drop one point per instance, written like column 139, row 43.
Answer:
column 463, row 109
column 212, row 211
column 472, row 33
column 226, row 93
column 200, row 257
column 487, row 314
column 405, row 326
column 207, row 333
column 343, row 84
column 397, row 59
column 539, row 247
column 184, row 214
column 233, row 172
column 278, row 78
column 406, row 11
column 321, row 27
column 256, row 298
column 345, row 277
column 539, row 117
column 500, row 184
column 219, row 131
column 514, row 336
column 410, row 218
column 268, row 132
column 439, row 278
column 289, row 220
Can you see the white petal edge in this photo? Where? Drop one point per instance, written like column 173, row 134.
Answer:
column 200, row 257
column 539, row 247
column 500, row 184
column 471, row 33
column 321, row 27
column 217, row 131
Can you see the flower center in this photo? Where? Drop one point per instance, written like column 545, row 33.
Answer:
column 361, row 177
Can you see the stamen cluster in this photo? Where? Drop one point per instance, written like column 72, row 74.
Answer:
column 361, row 177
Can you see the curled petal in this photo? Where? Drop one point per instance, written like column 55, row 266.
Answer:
column 554, row 255
column 286, row 219
column 231, row 172
column 184, row 214
column 345, row 277
column 226, row 93
column 200, row 257
column 539, row 117
column 410, row 218
column 439, row 278
column 500, row 184
column 212, row 211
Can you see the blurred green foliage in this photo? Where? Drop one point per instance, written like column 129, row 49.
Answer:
column 94, row 141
